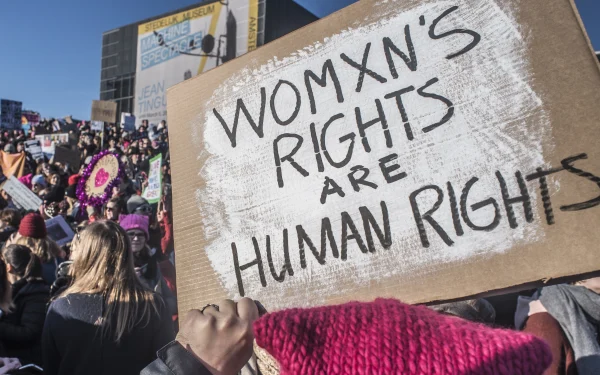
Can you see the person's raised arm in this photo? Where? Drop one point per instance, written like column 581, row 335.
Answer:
column 216, row 340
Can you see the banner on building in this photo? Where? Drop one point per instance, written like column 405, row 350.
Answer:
column 104, row 111
column 420, row 150
column 10, row 116
column 153, row 191
column 178, row 47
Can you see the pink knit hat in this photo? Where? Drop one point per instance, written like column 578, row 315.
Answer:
column 389, row 337
column 140, row 222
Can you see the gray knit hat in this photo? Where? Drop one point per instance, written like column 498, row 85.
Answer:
column 135, row 202
column 474, row 310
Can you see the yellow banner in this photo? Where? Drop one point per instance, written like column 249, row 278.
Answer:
column 174, row 19
column 253, row 26
column 211, row 31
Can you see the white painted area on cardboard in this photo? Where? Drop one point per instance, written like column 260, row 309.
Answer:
column 494, row 102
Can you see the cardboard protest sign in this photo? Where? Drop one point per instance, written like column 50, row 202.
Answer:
column 21, row 195
column 34, row 147
column 419, row 150
column 104, row 111
column 59, row 230
column 128, row 122
column 153, row 192
column 30, row 117
column 49, row 142
column 97, row 126
column 67, row 156
column 97, row 181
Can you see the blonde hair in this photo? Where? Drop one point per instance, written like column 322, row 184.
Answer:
column 104, row 265
column 45, row 248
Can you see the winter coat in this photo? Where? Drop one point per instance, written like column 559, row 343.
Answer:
column 56, row 194
column 174, row 359
column 72, row 341
column 153, row 278
column 6, row 232
column 21, row 329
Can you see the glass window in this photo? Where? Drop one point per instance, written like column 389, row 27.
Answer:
column 126, row 105
column 112, row 49
column 108, row 95
column 113, row 37
column 110, row 84
column 126, row 62
column 105, row 39
column 118, row 106
column 126, row 90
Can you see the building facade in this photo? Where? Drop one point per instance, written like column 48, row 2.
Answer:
column 120, row 47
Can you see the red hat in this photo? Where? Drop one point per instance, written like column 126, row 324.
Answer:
column 74, row 179
column 33, row 225
column 389, row 337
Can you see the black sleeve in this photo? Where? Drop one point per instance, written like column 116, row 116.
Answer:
column 51, row 355
column 165, row 333
column 174, row 359
column 31, row 323
column 56, row 194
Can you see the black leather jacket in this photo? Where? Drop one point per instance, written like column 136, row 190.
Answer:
column 176, row 360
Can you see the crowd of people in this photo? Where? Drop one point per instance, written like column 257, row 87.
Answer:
column 115, row 274
column 106, row 303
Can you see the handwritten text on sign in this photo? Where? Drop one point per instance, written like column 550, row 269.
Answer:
column 385, row 149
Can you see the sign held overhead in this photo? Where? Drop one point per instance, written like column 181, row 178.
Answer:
column 399, row 149
column 104, row 111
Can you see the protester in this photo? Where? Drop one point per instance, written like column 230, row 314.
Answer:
column 382, row 337
column 114, row 208
column 146, row 260
column 33, row 234
column 166, row 230
column 568, row 318
column 55, row 192
column 22, row 324
column 138, row 205
column 106, row 322
column 38, row 183
column 9, row 223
